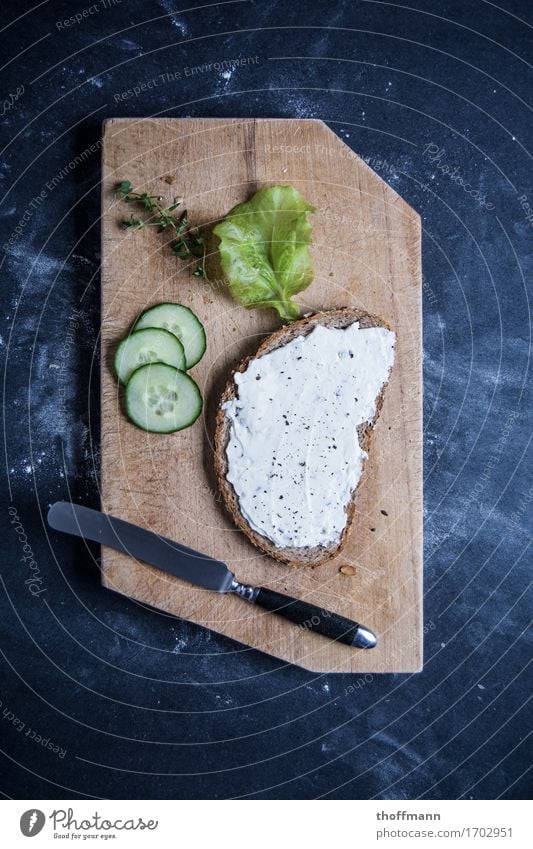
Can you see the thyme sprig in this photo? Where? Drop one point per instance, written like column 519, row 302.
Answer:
column 186, row 242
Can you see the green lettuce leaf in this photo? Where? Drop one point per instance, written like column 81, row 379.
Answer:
column 264, row 249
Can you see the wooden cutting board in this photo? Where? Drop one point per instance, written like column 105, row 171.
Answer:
column 367, row 255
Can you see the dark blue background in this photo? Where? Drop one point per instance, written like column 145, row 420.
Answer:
column 147, row 706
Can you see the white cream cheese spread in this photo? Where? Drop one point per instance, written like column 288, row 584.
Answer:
column 293, row 453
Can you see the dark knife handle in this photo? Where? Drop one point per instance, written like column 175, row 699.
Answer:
column 309, row 617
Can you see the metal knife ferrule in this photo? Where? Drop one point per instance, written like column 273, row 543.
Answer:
column 244, row 591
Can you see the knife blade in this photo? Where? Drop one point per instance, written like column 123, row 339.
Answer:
column 201, row 569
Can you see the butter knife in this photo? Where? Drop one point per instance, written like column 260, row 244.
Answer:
column 201, row 569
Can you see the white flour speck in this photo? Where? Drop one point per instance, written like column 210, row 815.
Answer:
column 129, row 44
column 180, row 645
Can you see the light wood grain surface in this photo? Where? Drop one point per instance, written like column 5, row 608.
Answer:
column 367, row 255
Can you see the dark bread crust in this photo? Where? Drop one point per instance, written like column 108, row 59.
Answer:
column 309, row 556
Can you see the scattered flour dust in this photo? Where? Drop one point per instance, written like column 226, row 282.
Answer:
column 168, row 6
column 37, row 265
column 180, row 645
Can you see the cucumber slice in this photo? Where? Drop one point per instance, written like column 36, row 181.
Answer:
column 148, row 346
column 182, row 322
column 162, row 399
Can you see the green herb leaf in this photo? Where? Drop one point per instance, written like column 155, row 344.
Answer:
column 125, row 187
column 133, row 223
column 264, row 249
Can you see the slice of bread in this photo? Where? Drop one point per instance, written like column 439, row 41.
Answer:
column 296, row 556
